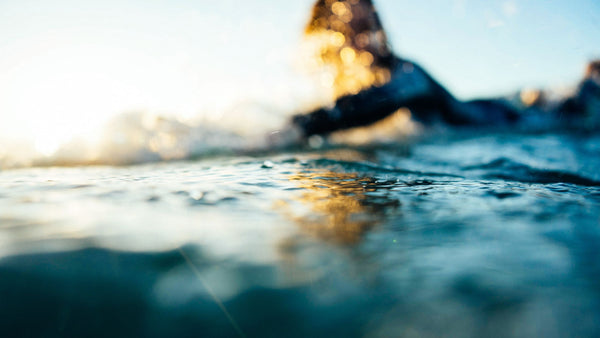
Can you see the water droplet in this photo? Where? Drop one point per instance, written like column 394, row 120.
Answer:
column 267, row 165
column 197, row 195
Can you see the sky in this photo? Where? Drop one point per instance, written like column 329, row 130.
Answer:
column 66, row 66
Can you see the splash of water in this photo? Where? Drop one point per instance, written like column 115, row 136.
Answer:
column 345, row 45
column 139, row 137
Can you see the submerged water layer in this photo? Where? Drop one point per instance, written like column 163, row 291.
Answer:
column 470, row 235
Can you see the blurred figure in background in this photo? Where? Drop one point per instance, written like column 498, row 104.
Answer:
column 368, row 82
column 585, row 104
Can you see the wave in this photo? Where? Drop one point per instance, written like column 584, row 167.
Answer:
column 509, row 170
column 374, row 168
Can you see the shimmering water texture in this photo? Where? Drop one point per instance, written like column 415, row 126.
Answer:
column 465, row 236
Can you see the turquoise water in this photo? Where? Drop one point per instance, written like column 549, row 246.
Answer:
column 463, row 235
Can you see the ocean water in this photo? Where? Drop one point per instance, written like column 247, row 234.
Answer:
column 463, row 234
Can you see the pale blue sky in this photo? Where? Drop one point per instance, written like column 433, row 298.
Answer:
column 487, row 47
column 77, row 62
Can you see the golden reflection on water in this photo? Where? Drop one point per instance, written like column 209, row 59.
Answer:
column 347, row 47
column 341, row 208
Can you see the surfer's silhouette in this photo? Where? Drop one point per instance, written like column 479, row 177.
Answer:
column 369, row 82
column 586, row 101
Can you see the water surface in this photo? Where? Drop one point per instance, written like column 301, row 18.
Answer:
column 466, row 235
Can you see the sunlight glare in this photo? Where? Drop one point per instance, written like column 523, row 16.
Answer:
column 71, row 92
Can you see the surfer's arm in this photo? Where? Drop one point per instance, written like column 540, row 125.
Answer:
column 409, row 84
column 412, row 88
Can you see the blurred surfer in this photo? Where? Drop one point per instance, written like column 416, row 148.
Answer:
column 368, row 82
column 585, row 104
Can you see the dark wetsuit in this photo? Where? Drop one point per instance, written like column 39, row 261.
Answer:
column 413, row 88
